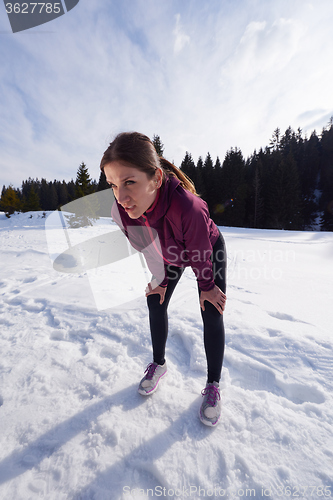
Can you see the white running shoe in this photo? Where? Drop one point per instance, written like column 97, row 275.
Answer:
column 210, row 410
column 149, row 383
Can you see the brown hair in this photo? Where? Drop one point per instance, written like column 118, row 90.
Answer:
column 138, row 150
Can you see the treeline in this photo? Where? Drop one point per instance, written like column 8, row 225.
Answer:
column 38, row 194
column 287, row 185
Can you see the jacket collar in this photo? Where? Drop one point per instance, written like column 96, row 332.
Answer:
column 162, row 200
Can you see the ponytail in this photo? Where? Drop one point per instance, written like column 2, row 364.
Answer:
column 138, row 150
column 171, row 169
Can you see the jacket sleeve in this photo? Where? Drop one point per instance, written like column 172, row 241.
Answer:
column 140, row 239
column 196, row 226
column 134, row 236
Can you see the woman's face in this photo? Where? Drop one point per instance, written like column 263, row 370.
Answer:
column 131, row 187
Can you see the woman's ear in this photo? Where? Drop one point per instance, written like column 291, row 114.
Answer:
column 158, row 177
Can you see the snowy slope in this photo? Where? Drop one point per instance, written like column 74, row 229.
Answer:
column 74, row 426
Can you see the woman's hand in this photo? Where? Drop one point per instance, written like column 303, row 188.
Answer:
column 216, row 297
column 153, row 288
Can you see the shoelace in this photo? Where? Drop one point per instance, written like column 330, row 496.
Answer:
column 150, row 370
column 213, row 394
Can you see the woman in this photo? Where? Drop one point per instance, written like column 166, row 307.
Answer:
column 153, row 195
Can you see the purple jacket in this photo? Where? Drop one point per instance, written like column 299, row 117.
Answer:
column 186, row 234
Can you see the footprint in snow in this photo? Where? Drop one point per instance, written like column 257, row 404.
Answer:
column 5, row 322
column 30, row 279
column 285, row 317
column 273, row 333
column 250, row 378
column 107, row 352
column 179, row 350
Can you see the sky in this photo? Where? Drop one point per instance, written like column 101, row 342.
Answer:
column 204, row 76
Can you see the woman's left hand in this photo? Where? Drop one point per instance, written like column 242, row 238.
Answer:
column 216, row 297
column 154, row 288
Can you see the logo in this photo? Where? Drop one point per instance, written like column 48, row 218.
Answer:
column 25, row 15
column 82, row 238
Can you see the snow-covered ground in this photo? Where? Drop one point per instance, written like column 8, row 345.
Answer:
column 73, row 425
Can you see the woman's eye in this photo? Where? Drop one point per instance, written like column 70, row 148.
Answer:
column 127, row 183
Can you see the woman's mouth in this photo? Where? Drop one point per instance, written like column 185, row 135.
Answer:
column 129, row 209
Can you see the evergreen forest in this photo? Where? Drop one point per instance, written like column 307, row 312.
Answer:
column 287, row 185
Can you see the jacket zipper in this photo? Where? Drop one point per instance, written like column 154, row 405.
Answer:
column 153, row 239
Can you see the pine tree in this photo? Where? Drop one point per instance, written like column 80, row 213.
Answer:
column 53, row 202
column 233, row 188
column 31, row 203
column 9, row 201
column 188, row 166
column 62, row 192
column 216, row 207
column 326, row 222
column 71, row 190
column 102, row 184
column 217, row 165
column 269, row 160
column 208, row 182
column 288, row 142
column 44, row 195
column 274, row 143
column 159, row 146
column 285, row 201
column 258, row 201
column 254, row 199
column 85, row 211
column 83, row 183
column 200, row 187
column 3, row 192
column 326, row 167
column 309, row 175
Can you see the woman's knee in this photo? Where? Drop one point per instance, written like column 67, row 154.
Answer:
column 153, row 303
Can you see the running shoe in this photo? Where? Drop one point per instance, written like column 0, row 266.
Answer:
column 210, row 410
column 153, row 375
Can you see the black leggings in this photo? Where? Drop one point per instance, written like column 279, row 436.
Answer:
column 212, row 320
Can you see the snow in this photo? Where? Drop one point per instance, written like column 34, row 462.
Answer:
column 74, row 426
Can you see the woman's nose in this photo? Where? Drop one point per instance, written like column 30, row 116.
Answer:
column 122, row 196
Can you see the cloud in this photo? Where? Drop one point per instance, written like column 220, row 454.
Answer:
column 321, row 121
column 180, row 38
column 264, row 50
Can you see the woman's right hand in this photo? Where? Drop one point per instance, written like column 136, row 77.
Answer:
column 216, row 297
column 154, row 288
